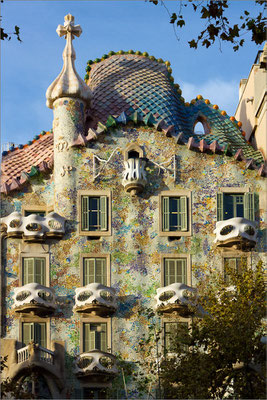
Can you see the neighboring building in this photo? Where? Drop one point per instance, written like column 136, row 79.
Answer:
column 117, row 209
column 252, row 106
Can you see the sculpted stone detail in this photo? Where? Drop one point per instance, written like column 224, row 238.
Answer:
column 68, row 83
column 176, row 293
column 134, row 175
column 93, row 296
column 52, row 225
column 34, row 293
column 62, row 146
column 66, row 170
column 235, row 231
column 96, row 361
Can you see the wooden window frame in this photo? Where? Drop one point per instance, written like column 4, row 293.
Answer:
column 177, row 256
column 96, row 320
column 171, row 320
column 34, row 319
column 234, row 254
column 94, row 193
column 176, row 193
column 35, row 255
column 95, row 255
column 231, row 190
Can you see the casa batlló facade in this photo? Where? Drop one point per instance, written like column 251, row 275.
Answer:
column 122, row 206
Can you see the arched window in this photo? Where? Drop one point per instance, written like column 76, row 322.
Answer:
column 133, row 151
column 201, row 126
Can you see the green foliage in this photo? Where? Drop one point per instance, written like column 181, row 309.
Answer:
column 10, row 388
column 224, row 357
column 221, row 355
column 217, row 25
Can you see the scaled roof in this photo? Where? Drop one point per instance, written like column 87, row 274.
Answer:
column 136, row 87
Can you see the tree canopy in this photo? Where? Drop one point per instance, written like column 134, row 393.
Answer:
column 220, row 354
column 217, row 26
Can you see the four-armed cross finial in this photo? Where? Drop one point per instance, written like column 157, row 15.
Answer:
column 69, row 28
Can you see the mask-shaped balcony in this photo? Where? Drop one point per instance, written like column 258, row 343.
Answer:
column 134, row 175
column 95, row 299
column 34, row 227
column 237, row 232
column 174, row 299
column 34, row 298
column 96, row 365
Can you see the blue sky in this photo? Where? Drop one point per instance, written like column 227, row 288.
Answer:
column 28, row 68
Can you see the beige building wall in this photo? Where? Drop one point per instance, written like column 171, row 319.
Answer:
column 251, row 110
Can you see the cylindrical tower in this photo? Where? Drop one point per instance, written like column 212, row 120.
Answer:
column 68, row 96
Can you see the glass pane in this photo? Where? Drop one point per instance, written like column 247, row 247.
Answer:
column 27, row 333
column 228, row 206
column 100, row 272
column 39, row 275
column 174, row 204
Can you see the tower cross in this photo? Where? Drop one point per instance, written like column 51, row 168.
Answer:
column 69, row 29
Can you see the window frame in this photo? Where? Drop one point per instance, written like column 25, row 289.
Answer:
column 176, row 256
column 35, row 319
column 234, row 190
column 163, row 336
column 96, row 320
column 233, row 254
column 35, row 254
column 176, row 193
column 94, row 193
column 95, row 255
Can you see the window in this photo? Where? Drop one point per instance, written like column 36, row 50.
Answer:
column 33, row 270
column 29, row 212
column 95, row 393
column 94, row 337
column 34, row 331
column 175, row 270
column 232, row 205
column 94, row 271
column 235, row 264
column 95, row 213
column 172, row 332
column 175, row 213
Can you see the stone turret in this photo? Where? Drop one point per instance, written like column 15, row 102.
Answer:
column 69, row 97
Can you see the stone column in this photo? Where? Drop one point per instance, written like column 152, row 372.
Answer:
column 68, row 96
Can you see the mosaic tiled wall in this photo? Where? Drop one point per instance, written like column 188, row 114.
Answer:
column 135, row 246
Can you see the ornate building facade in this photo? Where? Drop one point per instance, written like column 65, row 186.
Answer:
column 119, row 208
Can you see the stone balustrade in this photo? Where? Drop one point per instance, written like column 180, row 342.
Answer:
column 34, row 226
column 134, row 175
column 35, row 352
column 95, row 298
column 236, row 231
column 34, row 297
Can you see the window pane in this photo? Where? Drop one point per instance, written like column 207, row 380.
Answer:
column 95, row 337
column 228, row 206
column 39, row 273
column 175, row 270
column 174, row 204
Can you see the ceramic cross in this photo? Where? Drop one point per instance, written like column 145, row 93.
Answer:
column 69, row 28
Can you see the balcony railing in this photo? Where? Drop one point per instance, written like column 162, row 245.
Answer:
column 34, row 297
column 236, row 231
column 35, row 352
column 34, row 227
column 134, row 175
column 175, row 298
column 96, row 299
column 96, row 362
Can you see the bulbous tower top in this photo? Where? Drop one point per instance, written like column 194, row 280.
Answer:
column 68, row 83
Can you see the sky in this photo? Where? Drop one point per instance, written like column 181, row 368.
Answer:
column 28, row 68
